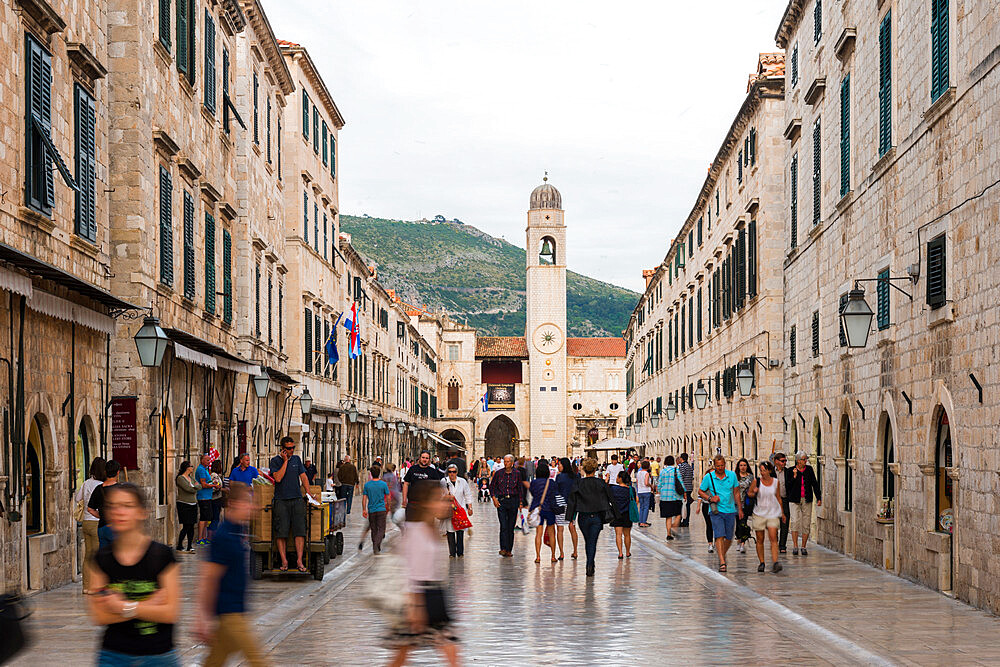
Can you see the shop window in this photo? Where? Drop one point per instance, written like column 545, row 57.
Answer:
column 944, row 515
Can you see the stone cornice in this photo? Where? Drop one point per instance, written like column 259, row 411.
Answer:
column 272, row 51
column 299, row 54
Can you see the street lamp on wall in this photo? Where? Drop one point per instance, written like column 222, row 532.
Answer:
column 856, row 315
column 150, row 342
column 654, row 420
column 379, row 422
column 625, row 431
column 261, row 383
column 700, row 396
column 401, row 427
column 671, row 410
column 305, row 402
column 745, row 380
column 638, row 427
column 352, row 413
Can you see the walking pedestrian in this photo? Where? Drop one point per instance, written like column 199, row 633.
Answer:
column 624, row 498
column 530, row 468
column 507, row 491
column 720, row 488
column 203, row 482
column 428, row 619
column 217, row 493
column 289, row 505
column 458, row 493
column 138, row 587
column 591, row 503
column 671, row 498
column 767, row 514
column 95, row 506
column 423, row 470
column 311, row 471
column 543, row 497
column 611, row 472
column 566, row 481
column 391, row 480
column 780, row 461
column 687, row 477
column 222, row 621
column 744, row 475
column 187, row 506
column 349, row 479
column 644, row 490
column 375, row 500
column 802, row 487
column 89, row 522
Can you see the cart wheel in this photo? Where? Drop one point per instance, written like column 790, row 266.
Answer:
column 340, row 543
column 258, row 566
column 318, row 568
column 331, row 548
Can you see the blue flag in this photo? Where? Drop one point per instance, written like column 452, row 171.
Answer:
column 486, row 401
column 331, row 344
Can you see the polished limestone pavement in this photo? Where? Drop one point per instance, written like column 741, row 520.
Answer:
column 664, row 605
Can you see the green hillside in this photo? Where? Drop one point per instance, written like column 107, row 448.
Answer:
column 476, row 277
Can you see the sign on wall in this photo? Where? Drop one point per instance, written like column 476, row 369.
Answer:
column 124, row 436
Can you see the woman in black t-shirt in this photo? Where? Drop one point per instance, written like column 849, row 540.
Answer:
column 138, row 586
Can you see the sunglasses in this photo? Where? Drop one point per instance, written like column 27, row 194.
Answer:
column 289, row 449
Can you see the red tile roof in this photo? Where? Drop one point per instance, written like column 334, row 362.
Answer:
column 285, row 42
column 595, row 347
column 503, row 346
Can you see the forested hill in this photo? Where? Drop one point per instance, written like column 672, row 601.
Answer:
column 475, row 277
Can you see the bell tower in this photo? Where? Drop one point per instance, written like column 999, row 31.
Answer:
column 545, row 321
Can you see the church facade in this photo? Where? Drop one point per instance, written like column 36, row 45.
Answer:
column 543, row 393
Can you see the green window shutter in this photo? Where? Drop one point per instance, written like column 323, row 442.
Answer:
column 318, row 344
column 281, row 318
column 752, row 259
column 256, row 294
column 305, row 217
column 325, row 151
column 700, row 228
column 315, row 129
column 882, row 291
column 939, row 48
column 741, row 279
column 270, row 313
column 817, row 21
column 182, row 36
column 845, row 135
column 305, row 115
column 209, row 263
column 227, row 277
column 817, row 173
column 307, row 329
column 753, row 146
column 39, row 180
column 793, row 172
column 165, row 23
column 885, row 85
column 937, row 294
column 795, row 65
column 209, row 62
column 739, row 167
column 699, row 314
column 791, row 346
column 86, row 164
column 315, row 226
column 842, row 336
column 815, row 334
column 325, row 237
column 188, row 245
column 279, row 146
column 226, row 102
column 256, row 107
column 333, row 156
column 326, row 337
column 267, row 122
column 166, row 228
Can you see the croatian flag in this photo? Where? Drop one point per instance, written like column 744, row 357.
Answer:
column 213, row 455
column 486, row 401
column 352, row 324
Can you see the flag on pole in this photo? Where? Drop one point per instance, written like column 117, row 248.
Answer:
column 213, row 455
column 352, row 324
column 332, row 355
column 486, row 401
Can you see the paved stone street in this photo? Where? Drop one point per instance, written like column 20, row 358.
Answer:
column 662, row 605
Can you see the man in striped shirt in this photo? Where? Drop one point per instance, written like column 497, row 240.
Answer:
column 687, row 477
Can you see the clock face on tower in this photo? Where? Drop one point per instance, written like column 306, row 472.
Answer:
column 547, row 338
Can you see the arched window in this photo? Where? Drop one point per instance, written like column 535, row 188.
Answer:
column 34, row 509
column 547, row 251
column 847, row 450
column 817, row 447
column 82, row 454
column 943, row 483
column 453, row 394
column 888, row 458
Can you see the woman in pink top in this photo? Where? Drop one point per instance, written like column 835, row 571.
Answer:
column 427, row 622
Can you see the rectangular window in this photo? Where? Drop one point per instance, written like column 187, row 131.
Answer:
column 793, row 172
column 817, row 171
column 683, row 327
column 270, row 313
column 741, row 264
column 882, row 292
column 267, row 126
column 817, row 21
column 885, row 85
column 315, row 226
column 845, row 135
column 227, row 104
column 164, row 20
column 936, row 277
column 753, row 146
column 318, row 344
column 326, row 240
column 186, row 47
column 842, row 337
column 739, row 167
column 86, row 164
column 699, row 314
column 791, row 346
column 795, row 65
column 166, row 227
column 256, row 292
column 209, row 62
column 752, row 259
column 305, row 114
column 40, row 152
column 939, row 48
column 279, row 147
column 227, row 277
column 325, row 151
column 209, row 263
column 691, row 243
column 305, row 217
column 815, row 334
column 700, row 230
column 281, row 319
column 326, row 337
column 690, row 324
column 308, row 348
column 315, row 110
column 189, row 277
column 256, row 107
column 333, row 156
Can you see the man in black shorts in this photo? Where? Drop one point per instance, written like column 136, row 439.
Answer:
column 289, row 506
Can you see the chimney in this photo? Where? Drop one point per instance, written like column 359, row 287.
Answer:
column 648, row 274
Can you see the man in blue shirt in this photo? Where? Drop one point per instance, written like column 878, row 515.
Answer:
column 222, row 623
column 244, row 472
column 203, row 482
column 721, row 488
column 289, row 506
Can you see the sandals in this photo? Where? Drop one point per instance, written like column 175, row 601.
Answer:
column 283, row 568
column 538, row 560
column 573, row 556
column 722, row 568
column 620, row 557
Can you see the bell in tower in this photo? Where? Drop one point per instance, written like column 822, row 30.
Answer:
column 548, row 253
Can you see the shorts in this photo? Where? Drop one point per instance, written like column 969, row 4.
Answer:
column 762, row 523
column 289, row 517
column 205, row 510
column 548, row 518
column 800, row 517
column 723, row 524
column 670, row 508
column 563, row 518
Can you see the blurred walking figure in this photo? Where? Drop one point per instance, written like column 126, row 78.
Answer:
column 459, row 494
column 428, row 621
column 137, row 587
column 592, row 504
column 566, row 481
column 375, row 499
column 222, row 622
column 687, row 476
column 767, row 513
column 392, row 480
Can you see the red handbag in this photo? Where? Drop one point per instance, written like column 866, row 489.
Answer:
column 459, row 519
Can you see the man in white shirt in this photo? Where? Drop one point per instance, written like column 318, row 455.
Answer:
column 611, row 473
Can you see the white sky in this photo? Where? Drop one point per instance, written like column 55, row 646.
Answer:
column 457, row 107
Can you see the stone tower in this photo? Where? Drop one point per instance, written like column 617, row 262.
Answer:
column 545, row 323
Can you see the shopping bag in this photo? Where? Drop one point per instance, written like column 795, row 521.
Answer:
column 385, row 589
column 522, row 520
column 459, row 519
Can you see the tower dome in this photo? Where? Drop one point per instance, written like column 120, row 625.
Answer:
column 546, row 196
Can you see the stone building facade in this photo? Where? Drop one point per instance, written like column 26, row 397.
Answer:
column 714, row 304
column 891, row 115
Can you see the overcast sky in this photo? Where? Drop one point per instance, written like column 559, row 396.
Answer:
column 457, row 107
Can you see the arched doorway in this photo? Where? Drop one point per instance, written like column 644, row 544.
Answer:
column 847, row 453
column 593, row 435
column 34, row 500
column 453, row 436
column 817, row 450
column 501, row 437
column 753, row 445
column 944, row 521
column 83, row 452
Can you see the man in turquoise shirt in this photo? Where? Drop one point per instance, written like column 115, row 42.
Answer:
column 721, row 488
column 203, row 482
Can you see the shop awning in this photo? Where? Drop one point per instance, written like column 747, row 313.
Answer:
column 237, row 366
column 61, row 309
column 185, row 353
column 196, row 344
column 282, row 378
column 448, row 443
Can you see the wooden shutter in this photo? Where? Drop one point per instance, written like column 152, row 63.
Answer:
column 791, row 346
column 305, row 217
column 840, row 320
column 209, row 62
column 817, row 173
column 845, row 135
column 281, row 318
column 939, row 48
column 815, row 334
column 165, row 23
column 936, row 276
column 326, row 240
column 882, row 291
column 86, row 164
column 279, row 146
column 192, row 45
column 333, row 156
column 209, row 263
column 227, row 277
column 753, row 146
column 256, row 109
column 690, row 324
column 699, row 314
column 256, row 291
column 305, row 114
column 318, row 344
column 817, row 20
column 315, row 130
column 226, row 102
column 752, row 259
column 795, row 65
column 739, row 167
column 700, row 220
column 315, row 226
column 307, row 329
column 267, row 125
column 270, row 312
column 182, row 36
column 166, row 228
column 40, row 179
column 885, row 84
column 326, row 337
column 188, row 245
column 325, row 151
column 793, row 172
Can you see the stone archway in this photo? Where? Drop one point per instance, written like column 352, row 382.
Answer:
column 453, row 436
column 501, row 437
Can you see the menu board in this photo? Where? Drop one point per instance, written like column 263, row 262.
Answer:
column 124, row 437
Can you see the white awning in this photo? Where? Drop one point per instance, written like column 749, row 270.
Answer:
column 194, row 356
column 61, row 309
column 448, row 443
column 237, row 366
column 17, row 283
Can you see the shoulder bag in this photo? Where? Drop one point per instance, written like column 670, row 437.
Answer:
column 713, row 508
column 678, row 484
column 633, row 507
column 535, row 517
